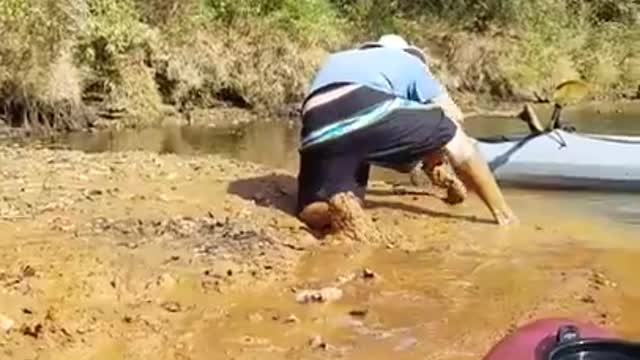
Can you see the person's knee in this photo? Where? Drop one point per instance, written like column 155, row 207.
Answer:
column 316, row 215
column 326, row 215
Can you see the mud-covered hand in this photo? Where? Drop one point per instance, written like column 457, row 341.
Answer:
column 441, row 174
column 505, row 217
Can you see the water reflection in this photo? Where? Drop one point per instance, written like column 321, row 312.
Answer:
column 595, row 118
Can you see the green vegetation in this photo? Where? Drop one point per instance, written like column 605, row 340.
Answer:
column 143, row 60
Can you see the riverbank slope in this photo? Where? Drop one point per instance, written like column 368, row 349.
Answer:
column 73, row 64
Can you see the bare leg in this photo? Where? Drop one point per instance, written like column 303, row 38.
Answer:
column 476, row 173
column 474, row 170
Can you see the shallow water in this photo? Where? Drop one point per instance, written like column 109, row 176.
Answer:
column 599, row 118
column 455, row 296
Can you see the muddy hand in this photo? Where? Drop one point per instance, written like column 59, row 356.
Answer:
column 442, row 177
column 505, row 217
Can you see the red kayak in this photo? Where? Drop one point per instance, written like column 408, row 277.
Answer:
column 563, row 339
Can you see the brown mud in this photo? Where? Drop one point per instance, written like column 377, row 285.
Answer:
column 137, row 255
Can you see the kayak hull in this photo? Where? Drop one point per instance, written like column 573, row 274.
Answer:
column 534, row 339
column 565, row 160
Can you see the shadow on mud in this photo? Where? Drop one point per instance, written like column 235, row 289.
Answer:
column 372, row 204
column 273, row 191
column 279, row 191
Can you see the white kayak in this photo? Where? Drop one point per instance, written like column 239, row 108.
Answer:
column 565, row 160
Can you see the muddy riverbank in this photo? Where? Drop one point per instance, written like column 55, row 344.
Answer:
column 109, row 255
column 133, row 254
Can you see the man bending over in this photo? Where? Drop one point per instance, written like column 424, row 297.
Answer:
column 378, row 104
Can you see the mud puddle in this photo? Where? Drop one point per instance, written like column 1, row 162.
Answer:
column 449, row 292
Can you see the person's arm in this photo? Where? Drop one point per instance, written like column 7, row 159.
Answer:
column 475, row 172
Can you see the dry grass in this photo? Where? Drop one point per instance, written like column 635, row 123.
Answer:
column 60, row 61
column 545, row 43
column 251, row 66
column 138, row 93
column 64, row 81
column 39, row 82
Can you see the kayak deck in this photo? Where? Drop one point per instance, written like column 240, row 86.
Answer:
column 560, row 159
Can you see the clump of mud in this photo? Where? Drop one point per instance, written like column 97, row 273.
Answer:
column 349, row 219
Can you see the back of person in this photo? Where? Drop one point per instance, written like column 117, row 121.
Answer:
column 394, row 119
column 385, row 69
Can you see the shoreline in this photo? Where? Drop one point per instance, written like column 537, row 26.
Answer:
column 220, row 118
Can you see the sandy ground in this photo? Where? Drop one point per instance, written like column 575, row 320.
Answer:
column 140, row 256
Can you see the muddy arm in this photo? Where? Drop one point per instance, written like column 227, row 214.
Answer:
column 475, row 172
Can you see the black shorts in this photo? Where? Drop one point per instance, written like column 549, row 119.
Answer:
column 401, row 138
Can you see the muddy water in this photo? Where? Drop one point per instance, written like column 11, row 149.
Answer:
column 452, row 297
column 600, row 118
column 457, row 291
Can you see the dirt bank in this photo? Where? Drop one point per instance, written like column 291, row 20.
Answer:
column 136, row 63
column 136, row 256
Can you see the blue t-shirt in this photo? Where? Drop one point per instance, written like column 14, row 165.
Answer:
column 390, row 70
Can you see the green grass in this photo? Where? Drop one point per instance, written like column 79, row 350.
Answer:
column 145, row 58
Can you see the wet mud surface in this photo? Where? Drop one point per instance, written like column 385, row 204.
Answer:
column 135, row 255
